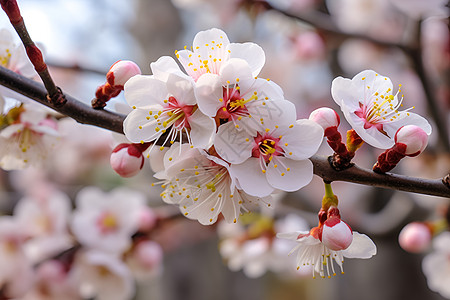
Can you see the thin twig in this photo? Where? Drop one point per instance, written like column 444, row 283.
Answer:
column 55, row 94
column 324, row 23
column 112, row 121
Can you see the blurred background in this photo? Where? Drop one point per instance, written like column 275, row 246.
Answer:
column 307, row 44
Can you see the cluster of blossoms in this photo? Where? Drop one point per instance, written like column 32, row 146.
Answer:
column 243, row 139
column 234, row 141
column 48, row 251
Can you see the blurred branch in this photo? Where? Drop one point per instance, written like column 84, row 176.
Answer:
column 415, row 55
column 112, row 121
column 324, row 23
column 76, row 67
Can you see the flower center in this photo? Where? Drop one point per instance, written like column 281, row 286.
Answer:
column 107, row 222
column 233, row 103
column 178, row 114
column 4, row 60
column 266, row 147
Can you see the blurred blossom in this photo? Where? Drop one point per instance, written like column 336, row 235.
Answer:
column 84, row 148
column 44, row 220
column 436, row 265
column 53, row 282
column 103, row 276
column 374, row 17
column 418, row 9
column 294, row 5
column 145, row 260
column 254, row 248
column 27, row 137
column 106, row 221
column 16, row 274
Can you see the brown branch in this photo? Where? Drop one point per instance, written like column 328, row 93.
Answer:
column 55, row 94
column 112, row 121
column 73, row 108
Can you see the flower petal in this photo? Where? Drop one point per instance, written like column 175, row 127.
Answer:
column 233, row 145
column 250, row 52
column 181, row 88
column 300, row 173
column 208, row 91
column 251, row 178
column 361, row 247
column 144, row 91
column 202, row 131
column 138, row 128
column 235, row 70
column 164, row 66
column 303, row 140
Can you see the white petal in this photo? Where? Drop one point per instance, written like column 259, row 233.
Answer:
column 291, row 235
column 202, row 131
column 361, row 247
column 371, row 135
column 182, row 88
column 11, row 130
column 235, row 70
column 208, row 91
column 341, row 89
column 251, row 178
column 156, row 158
column 233, row 145
column 303, row 140
column 408, row 118
column 163, row 67
column 144, row 91
column 203, row 43
column 138, row 128
column 277, row 113
column 300, row 173
column 231, row 208
column 250, row 52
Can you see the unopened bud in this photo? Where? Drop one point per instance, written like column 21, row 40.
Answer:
column 336, row 234
column 325, row 117
column 415, row 237
column 127, row 160
column 147, row 219
column 413, row 137
column 149, row 254
column 121, row 71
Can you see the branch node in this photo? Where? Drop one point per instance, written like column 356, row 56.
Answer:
column 58, row 99
column 446, row 181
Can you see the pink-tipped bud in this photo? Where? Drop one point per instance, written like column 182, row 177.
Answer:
column 415, row 237
column 336, row 234
column 413, row 138
column 121, row 71
column 127, row 160
column 325, row 117
column 149, row 254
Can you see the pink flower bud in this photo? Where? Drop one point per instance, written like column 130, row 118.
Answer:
column 336, row 234
column 325, row 117
column 147, row 219
column 51, row 270
column 121, row 71
column 149, row 254
column 415, row 237
column 127, row 160
column 413, row 137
